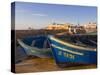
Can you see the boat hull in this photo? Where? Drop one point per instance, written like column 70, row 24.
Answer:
column 63, row 53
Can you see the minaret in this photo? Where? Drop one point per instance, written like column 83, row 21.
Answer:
column 54, row 23
column 75, row 29
column 78, row 23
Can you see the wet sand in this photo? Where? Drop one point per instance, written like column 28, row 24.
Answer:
column 44, row 64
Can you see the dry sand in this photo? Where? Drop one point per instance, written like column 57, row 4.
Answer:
column 41, row 65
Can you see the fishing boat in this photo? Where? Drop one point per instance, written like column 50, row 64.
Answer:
column 36, row 46
column 72, row 53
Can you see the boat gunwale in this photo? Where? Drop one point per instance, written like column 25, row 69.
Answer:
column 71, row 45
column 63, row 49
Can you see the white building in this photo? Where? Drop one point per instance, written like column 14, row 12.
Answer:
column 90, row 27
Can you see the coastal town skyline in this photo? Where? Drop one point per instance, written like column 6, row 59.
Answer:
column 39, row 15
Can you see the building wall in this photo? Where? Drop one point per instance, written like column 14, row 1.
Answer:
column 58, row 27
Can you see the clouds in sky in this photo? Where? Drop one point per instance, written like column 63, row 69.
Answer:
column 38, row 14
column 32, row 13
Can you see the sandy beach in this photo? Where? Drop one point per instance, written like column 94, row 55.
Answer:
column 43, row 65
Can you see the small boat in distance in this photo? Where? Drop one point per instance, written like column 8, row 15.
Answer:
column 71, row 53
column 36, row 46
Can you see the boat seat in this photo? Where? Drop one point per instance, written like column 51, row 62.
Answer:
column 88, row 42
column 33, row 42
column 39, row 43
column 46, row 44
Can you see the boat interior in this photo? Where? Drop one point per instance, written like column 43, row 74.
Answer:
column 38, row 41
column 79, row 41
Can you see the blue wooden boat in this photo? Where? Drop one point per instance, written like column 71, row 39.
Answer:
column 66, row 52
column 36, row 46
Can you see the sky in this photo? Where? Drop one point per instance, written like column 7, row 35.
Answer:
column 39, row 15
